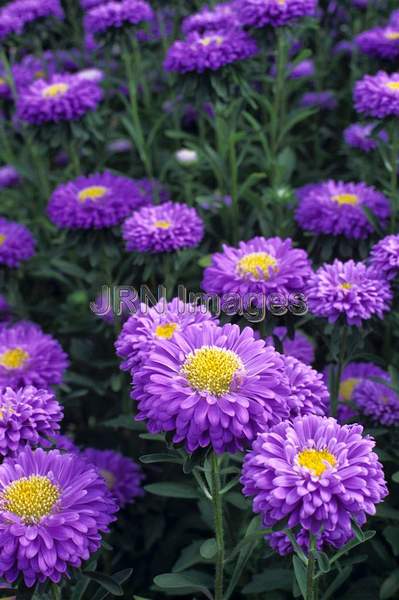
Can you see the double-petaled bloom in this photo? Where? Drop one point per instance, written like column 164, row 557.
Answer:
column 318, row 475
column 16, row 243
column 259, row 13
column 378, row 95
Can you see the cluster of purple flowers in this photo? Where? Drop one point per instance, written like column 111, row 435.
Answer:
column 109, row 15
column 360, row 136
column 16, row 15
column 277, row 13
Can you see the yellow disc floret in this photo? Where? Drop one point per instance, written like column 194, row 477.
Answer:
column 346, row 388
column 392, row 35
column 351, row 199
column 316, row 461
column 2, row 239
column 211, row 369
column 162, row 224
column 257, row 264
column 92, row 193
column 109, row 477
column 56, row 89
column 166, row 330
column 30, row 498
column 14, row 358
column 393, row 85
column 346, row 286
column 211, row 38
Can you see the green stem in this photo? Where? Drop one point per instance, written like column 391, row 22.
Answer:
column 338, row 372
column 130, row 62
column 8, row 72
column 278, row 103
column 310, row 582
column 218, row 521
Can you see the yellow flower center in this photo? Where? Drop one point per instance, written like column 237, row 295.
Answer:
column 166, row 330
column 94, row 192
column 316, row 461
column 346, row 388
column 257, row 264
column 31, row 498
column 211, row 369
column 211, row 38
column 393, row 85
column 40, row 75
column 56, row 89
column 15, row 358
column 109, row 477
column 162, row 224
column 346, row 286
column 392, row 35
column 346, row 199
column 2, row 239
column 2, row 81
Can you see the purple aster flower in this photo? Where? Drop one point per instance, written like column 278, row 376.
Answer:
column 116, row 15
column 221, row 16
column 343, row 47
column 209, row 51
column 308, row 393
column 258, row 267
column 318, row 474
column 336, row 208
column 9, row 177
column 360, row 136
column 54, row 508
column 325, row 100
column 94, row 202
column 64, row 443
column 384, row 257
column 28, row 416
column 350, row 290
column 212, row 386
column 62, row 98
column 16, row 243
column 299, row 347
column 141, row 332
column 378, row 401
column 353, row 374
column 30, row 357
column 382, row 42
column 303, row 69
column 119, row 146
column 159, row 27
column 258, row 13
column 394, row 19
column 14, row 16
column 378, row 95
column 122, row 475
column 164, row 228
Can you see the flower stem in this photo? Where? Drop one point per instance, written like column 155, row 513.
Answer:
column 394, row 142
column 338, row 371
column 310, row 581
column 218, row 520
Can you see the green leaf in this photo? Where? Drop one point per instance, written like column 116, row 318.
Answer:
column 209, row 549
column 390, row 586
column 106, row 581
column 269, row 580
column 189, row 556
column 391, row 534
column 336, row 584
column 172, row 490
column 125, row 422
column 183, row 583
column 205, row 261
column 387, row 512
column 395, row 477
column 300, row 574
column 323, row 561
column 148, row 459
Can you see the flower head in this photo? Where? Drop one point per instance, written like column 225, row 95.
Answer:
column 258, row 13
column 259, row 266
column 143, row 330
column 305, row 68
column 318, row 474
column 111, row 15
column 209, row 51
column 16, row 243
column 164, row 228
column 378, row 95
column 211, row 386
column 9, row 176
column 350, row 290
column 324, row 100
column 299, row 346
column 382, row 42
column 384, row 257
column 16, row 15
column 221, row 16
column 308, row 394
column 61, row 98
column 29, row 357
column 337, row 208
column 360, row 137
column 97, row 201
column 28, row 416
column 53, row 509
column 122, row 475
column 378, row 401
